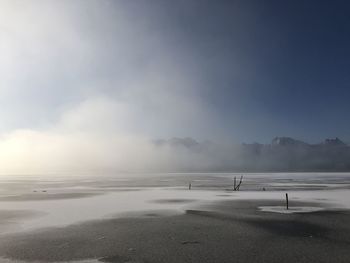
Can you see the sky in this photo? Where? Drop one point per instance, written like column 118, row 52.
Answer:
column 86, row 79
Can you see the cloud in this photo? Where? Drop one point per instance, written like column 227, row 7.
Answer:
column 101, row 135
column 58, row 54
column 84, row 86
column 88, row 138
column 93, row 136
column 88, row 85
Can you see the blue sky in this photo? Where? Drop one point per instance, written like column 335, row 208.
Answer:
column 267, row 68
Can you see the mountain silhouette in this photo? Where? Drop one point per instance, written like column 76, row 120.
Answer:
column 283, row 154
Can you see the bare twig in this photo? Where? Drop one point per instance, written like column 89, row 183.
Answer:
column 235, row 185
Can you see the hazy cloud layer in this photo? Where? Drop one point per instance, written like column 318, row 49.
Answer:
column 57, row 54
column 89, row 85
column 91, row 137
column 85, row 86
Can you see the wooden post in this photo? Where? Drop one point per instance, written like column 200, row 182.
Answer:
column 234, row 184
column 287, row 201
column 189, row 186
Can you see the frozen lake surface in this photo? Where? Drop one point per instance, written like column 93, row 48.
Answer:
column 60, row 201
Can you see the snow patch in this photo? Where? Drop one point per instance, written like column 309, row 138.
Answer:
column 291, row 210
